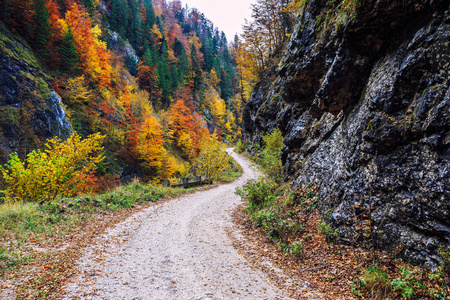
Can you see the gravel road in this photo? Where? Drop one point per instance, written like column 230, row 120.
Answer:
column 178, row 249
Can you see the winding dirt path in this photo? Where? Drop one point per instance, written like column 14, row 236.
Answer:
column 176, row 250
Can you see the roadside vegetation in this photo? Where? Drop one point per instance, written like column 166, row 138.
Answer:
column 298, row 239
column 49, row 210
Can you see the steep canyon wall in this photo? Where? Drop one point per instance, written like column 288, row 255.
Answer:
column 362, row 99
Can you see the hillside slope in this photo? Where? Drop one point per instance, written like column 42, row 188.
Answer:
column 362, row 98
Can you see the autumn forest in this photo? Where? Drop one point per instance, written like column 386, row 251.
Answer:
column 109, row 106
column 156, row 79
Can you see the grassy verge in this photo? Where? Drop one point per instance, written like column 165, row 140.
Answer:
column 232, row 173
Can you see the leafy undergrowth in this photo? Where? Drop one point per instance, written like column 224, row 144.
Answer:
column 40, row 243
column 232, row 173
column 284, row 231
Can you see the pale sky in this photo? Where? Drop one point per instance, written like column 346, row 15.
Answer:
column 227, row 15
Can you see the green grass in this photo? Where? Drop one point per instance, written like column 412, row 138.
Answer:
column 232, row 173
column 18, row 223
column 374, row 283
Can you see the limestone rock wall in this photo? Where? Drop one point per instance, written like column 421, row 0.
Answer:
column 364, row 109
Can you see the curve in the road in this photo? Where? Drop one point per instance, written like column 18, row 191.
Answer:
column 175, row 250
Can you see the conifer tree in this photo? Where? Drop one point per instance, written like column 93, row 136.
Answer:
column 119, row 16
column 42, row 29
column 133, row 31
column 150, row 14
column 68, row 53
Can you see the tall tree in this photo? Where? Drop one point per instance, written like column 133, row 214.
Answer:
column 150, row 145
column 68, row 53
column 42, row 29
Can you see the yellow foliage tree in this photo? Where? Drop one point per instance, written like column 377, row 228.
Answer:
column 248, row 68
column 214, row 79
column 185, row 144
column 183, row 169
column 212, row 160
column 59, row 171
column 94, row 56
column 97, row 32
column 150, row 144
column 169, row 167
column 77, row 91
column 263, row 40
column 157, row 34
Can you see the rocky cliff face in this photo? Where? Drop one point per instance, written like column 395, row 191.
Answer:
column 363, row 100
column 29, row 111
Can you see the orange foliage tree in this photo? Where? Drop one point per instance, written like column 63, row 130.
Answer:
column 148, row 80
column 182, row 126
column 150, row 144
column 53, row 58
column 94, row 57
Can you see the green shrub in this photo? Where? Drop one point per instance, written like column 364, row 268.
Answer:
column 258, row 193
column 294, row 248
column 268, row 219
column 240, row 147
column 275, row 224
column 410, row 283
column 270, row 156
column 328, row 231
column 404, row 283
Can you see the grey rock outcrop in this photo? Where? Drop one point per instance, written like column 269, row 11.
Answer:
column 364, row 109
column 29, row 111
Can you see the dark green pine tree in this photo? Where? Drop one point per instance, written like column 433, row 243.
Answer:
column 226, row 82
column 148, row 58
column 68, row 53
column 164, row 83
column 182, row 63
column 119, row 16
column 150, row 14
column 207, row 50
column 175, row 79
column 42, row 29
column 164, row 80
column 217, row 66
column 134, row 25
column 178, row 48
column 183, row 68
